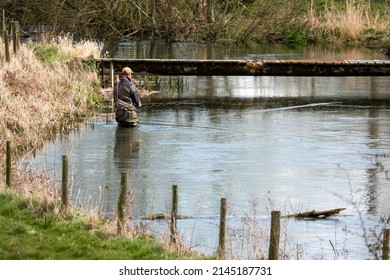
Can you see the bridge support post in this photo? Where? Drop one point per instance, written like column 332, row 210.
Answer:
column 112, row 73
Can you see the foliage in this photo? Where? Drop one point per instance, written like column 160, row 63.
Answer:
column 204, row 20
column 296, row 35
column 50, row 53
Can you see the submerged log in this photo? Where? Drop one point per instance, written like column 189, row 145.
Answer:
column 162, row 216
column 317, row 214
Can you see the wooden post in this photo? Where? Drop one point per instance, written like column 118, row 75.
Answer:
column 222, row 230
column 15, row 35
column 6, row 46
column 3, row 24
column 274, row 236
column 386, row 241
column 102, row 73
column 8, row 165
column 112, row 74
column 174, row 212
column 121, row 205
column 64, row 189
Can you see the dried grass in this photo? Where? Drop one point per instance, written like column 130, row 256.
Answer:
column 38, row 99
column 82, row 48
column 345, row 25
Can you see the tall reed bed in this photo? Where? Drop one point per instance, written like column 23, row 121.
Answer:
column 44, row 90
column 347, row 20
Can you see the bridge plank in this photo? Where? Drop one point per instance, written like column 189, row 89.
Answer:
column 305, row 67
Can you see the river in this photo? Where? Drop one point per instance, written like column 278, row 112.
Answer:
column 291, row 144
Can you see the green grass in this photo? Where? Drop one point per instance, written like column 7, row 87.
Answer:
column 29, row 234
column 50, row 53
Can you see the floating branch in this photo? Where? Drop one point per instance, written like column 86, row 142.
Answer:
column 316, row 214
column 162, row 216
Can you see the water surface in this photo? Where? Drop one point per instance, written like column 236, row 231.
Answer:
column 264, row 143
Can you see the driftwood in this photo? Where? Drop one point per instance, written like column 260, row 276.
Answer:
column 317, row 214
column 162, row 216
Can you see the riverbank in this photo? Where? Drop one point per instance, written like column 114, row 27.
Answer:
column 45, row 92
column 34, row 230
column 299, row 22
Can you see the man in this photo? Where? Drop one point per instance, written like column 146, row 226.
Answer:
column 127, row 99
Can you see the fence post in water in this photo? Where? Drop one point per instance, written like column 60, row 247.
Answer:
column 8, row 165
column 174, row 212
column 274, row 236
column 121, row 204
column 222, row 230
column 64, row 188
column 386, row 241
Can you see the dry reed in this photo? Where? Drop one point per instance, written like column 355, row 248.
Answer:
column 38, row 100
column 346, row 24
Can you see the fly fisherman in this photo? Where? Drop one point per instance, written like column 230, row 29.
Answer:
column 127, row 99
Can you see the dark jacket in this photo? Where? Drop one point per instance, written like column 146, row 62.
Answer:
column 126, row 91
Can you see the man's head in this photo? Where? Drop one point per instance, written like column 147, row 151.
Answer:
column 127, row 71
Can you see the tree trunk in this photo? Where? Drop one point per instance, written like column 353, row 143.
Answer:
column 210, row 11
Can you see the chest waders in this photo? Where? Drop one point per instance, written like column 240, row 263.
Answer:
column 125, row 114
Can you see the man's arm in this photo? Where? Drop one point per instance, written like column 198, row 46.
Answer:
column 136, row 97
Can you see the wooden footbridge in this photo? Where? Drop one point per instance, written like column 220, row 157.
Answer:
column 185, row 67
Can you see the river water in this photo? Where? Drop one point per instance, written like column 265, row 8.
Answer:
column 291, row 144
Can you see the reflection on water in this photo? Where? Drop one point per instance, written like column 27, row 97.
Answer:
column 126, row 148
column 280, row 91
column 304, row 143
column 249, row 51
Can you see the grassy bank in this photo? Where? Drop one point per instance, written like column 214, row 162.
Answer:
column 31, row 230
column 46, row 91
column 34, row 228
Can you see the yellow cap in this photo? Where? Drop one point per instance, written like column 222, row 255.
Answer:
column 126, row 71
